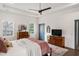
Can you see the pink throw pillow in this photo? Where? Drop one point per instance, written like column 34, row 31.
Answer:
column 3, row 47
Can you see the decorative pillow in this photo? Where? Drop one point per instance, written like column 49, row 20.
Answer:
column 7, row 43
column 3, row 48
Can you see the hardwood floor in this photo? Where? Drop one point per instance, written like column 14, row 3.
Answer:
column 72, row 52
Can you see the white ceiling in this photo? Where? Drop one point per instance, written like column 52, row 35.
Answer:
column 36, row 6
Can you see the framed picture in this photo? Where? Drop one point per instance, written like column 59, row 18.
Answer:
column 31, row 28
column 48, row 29
column 22, row 27
column 8, row 28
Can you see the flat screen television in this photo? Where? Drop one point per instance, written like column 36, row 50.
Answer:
column 57, row 32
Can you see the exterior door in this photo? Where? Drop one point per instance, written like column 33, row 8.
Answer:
column 41, row 31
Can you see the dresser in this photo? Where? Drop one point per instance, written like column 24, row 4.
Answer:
column 21, row 35
column 57, row 40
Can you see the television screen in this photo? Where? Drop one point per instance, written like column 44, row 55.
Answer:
column 57, row 32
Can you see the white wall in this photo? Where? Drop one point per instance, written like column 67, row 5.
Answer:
column 18, row 19
column 64, row 21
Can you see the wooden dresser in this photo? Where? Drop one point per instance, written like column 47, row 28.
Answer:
column 57, row 40
column 21, row 35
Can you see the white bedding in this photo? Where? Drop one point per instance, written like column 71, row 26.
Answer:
column 16, row 50
column 23, row 47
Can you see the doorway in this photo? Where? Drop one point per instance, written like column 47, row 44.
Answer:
column 77, row 34
column 41, row 31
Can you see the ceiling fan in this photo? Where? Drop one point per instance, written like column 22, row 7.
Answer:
column 41, row 10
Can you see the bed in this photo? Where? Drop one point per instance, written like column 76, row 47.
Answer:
column 27, row 47
column 45, row 49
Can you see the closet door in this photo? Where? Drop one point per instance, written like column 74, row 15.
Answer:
column 77, row 34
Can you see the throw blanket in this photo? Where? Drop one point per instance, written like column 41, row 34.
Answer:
column 44, row 45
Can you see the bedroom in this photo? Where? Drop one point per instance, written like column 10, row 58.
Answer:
column 61, row 16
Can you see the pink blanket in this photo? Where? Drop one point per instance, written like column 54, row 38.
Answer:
column 44, row 45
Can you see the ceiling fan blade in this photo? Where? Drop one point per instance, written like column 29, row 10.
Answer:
column 44, row 9
column 33, row 9
column 40, row 11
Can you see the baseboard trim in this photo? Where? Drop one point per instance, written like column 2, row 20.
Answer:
column 69, row 48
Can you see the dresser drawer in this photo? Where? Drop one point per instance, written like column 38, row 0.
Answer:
column 56, row 40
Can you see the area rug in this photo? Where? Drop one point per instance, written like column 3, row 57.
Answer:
column 58, row 51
